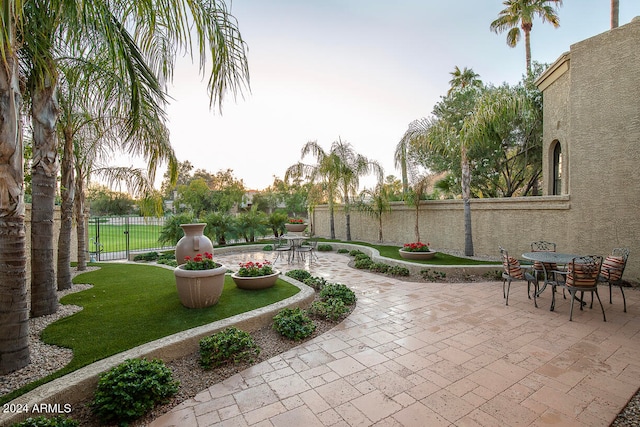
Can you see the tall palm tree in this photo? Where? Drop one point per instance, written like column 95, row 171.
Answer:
column 463, row 78
column 144, row 55
column 519, row 14
column 14, row 330
column 615, row 13
column 350, row 166
column 326, row 170
column 401, row 158
column 376, row 203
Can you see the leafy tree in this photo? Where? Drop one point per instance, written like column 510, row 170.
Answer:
column 183, row 177
column 103, row 202
column 519, row 14
column 197, row 196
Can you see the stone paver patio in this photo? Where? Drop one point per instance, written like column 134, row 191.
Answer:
column 436, row 354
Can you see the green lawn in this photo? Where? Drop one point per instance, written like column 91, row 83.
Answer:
column 130, row 305
column 113, row 238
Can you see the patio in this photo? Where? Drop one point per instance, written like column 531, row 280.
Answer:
column 436, row 354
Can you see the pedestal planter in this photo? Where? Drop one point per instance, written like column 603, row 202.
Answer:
column 199, row 288
column 259, row 282
column 295, row 228
column 193, row 242
column 417, row 255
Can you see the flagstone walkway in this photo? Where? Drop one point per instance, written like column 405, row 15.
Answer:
column 436, row 354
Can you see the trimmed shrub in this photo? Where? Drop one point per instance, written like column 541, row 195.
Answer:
column 299, row 275
column 360, row 256
column 433, row 276
column 338, row 291
column 148, row 256
column 355, row 252
column 324, row 247
column 228, row 345
column 131, row 389
column 343, row 251
column 268, row 248
column 397, row 270
column 363, row 264
column 379, row 267
column 315, row 282
column 293, row 323
column 331, row 309
column 57, row 421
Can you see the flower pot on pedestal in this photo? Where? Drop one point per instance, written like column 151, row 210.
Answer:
column 199, row 288
column 193, row 242
column 295, row 228
column 256, row 282
column 417, row 255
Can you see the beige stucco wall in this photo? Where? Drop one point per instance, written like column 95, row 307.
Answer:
column 592, row 106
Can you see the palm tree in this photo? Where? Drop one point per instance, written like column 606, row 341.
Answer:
column 402, row 160
column 615, row 13
column 419, row 189
column 351, row 166
column 376, row 203
column 519, row 14
column 326, row 170
column 14, row 330
column 158, row 30
column 463, row 78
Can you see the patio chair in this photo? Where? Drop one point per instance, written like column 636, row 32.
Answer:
column 613, row 269
column 281, row 247
column 514, row 271
column 309, row 247
column 581, row 276
column 545, row 269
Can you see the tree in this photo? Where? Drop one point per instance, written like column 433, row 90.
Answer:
column 376, row 203
column 324, row 170
column 463, row 78
column 14, row 327
column 220, row 226
column 519, row 14
column 350, row 167
column 251, row 224
column 615, row 13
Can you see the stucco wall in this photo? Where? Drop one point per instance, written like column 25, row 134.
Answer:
column 592, row 106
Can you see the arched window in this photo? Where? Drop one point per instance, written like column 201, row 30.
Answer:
column 557, row 169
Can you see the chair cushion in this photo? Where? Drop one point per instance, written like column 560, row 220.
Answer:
column 612, row 268
column 582, row 275
column 541, row 266
column 512, row 267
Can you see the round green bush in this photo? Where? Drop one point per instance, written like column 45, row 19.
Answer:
column 315, row 282
column 355, row 252
column 343, row 251
column 338, row 291
column 299, row 275
column 379, row 267
column 131, row 389
column 397, row 270
column 360, row 256
column 293, row 323
column 325, row 247
column 331, row 309
column 363, row 264
column 228, row 345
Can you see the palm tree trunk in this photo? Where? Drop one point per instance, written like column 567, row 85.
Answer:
column 44, row 171
column 416, row 227
column 67, row 192
column 14, row 314
column 615, row 13
column 466, row 195
column 347, row 214
column 332, row 222
column 380, row 228
column 527, row 47
column 80, row 221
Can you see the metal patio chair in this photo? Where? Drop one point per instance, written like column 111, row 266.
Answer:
column 512, row 270
column 613, row 269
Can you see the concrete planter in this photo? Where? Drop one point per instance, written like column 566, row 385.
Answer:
column 199, row 288
column 258, row 282
column 417, row 256
column 295, row 228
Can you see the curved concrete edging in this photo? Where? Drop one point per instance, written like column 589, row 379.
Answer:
column 77, row 385
column 416, row 268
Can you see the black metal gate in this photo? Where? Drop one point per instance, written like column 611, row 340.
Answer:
column 116, row 237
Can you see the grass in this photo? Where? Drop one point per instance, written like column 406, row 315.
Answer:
column 130, row 305
column 113, row 238
column 439, row 259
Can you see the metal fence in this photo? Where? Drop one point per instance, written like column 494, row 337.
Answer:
column 114, row 238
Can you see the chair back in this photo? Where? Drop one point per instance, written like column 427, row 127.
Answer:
column 511, row 265
column 613, row 265
column 583, row 272
column 543, row 246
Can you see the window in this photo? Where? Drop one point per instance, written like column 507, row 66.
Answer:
column 557, row 169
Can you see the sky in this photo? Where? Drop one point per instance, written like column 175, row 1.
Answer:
column 358, row 70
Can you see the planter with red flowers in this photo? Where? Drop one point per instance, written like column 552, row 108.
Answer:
column 417, row 251
column 295, row 225
column 200, row 281
column 255, row 275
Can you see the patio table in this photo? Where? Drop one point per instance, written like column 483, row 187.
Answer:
column 549, row 257
column 296, row 241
